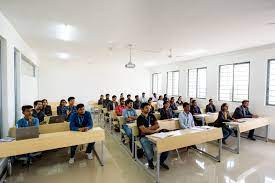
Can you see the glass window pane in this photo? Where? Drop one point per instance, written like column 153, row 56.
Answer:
column 173, row 83
column 226, row 82
column 156, row 85
column 192, row 83
column 271, row 83
column 241, row 81
column 201, row 83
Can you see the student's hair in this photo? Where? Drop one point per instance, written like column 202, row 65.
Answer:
column 179, row 97
column 223, row 105
column 136, row 96
column 160, row 96
column 25, row 107
column 193, row 101
column 70, row 98
column 149, row 100
column 128, row 95
column 210, row 100
column 154, row 94
column 165, row 95
column 185, row 104
column 165, row 102
column 128, row 102
column 121, row 99
column 107, row 95
column 144, row 105
column 45, row 100
column 113, row 96
column 143, row 93
column 244, row 101
column 172, row 98
column 101, row 95
column 36, row 102
column 78, row 106
column 121, row 94
column 62, row 100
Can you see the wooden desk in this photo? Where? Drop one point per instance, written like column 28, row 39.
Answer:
column 185, row 138
column 248, row 124
column 207, row 118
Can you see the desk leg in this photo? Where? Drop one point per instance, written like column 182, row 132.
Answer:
column 220, row 150
column 202, row 121
column 133, row 144
column 9, row 166
column 266, row 133
column 100, row 159
column 158, row 167
column 238, row 140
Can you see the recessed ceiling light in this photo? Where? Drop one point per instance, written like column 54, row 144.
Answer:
column 65, row 32
column 63, row 55
column 196, row 52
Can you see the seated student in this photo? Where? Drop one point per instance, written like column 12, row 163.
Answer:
column 186, row 119
column 165, row 97
column 47, row 109
column 147, row 124
column 210, row 107
column 160, row 103
column 120, row 108
column 179, row 101
column 113, row 104
column 100, row 101
column 62, row 108
column 37, row 111
column 121, row 96
column 81, row 121
column 166, row 112
column 243, row 112
column 137, row 102
column 143, row 98
column 190, row 101
column 194, row 108
column 71, row 108
column 28, row 120
column 173, row 105
column 128, row 98
column 154, row 98
column 129, row 115
column 224, row 116
column 106, row 101
column 152, row 111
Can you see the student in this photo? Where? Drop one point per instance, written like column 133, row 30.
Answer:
column 165, row 98
column 190, row 101
column 129, row 115
column 37, row 111
column 243, row 112
column 147, row 124
column 81, row 121
column 100, row 101
column 120, row 108
column 210, row 107
column 160, row 103
column 121, row 96
column 128, row 98
column 152, row 111
column 137, row 102
column 186, row 119
column 28, row 120
column 47, row 109
column 166, row 112
column 143, row 98
column 113, row 104
column 62, row 108
column 154, row 98
column 194, row 109
column 71, row 108
column 173, row 105
column 224, row 116
column 106, row 101
column 179, row 101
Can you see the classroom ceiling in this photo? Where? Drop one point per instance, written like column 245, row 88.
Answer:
column 100, row 30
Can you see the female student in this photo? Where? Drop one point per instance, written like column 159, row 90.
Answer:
column 62, row 108
column 179, row 101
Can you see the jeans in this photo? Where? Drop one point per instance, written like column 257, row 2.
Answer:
column 89, row 149
column 128, row 132
column 226, row 132
column 149, row 152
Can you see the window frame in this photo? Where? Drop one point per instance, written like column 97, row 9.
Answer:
column 153, row 82
column 233, row 80
column 172, row 83
column 268, row 82
column 197, row 73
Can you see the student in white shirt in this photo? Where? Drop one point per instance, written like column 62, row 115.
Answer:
column 154, row 98
column 143, row 98
column 186, row 119
column 160, row 102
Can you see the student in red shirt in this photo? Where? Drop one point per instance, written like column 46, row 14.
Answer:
column 120, row 107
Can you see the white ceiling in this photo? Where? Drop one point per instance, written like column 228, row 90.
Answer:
column 157, row 25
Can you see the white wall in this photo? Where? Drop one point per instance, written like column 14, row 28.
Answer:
column 12, row 40
column 258, row 73
column 61, row 79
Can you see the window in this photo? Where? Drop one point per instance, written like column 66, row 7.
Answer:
column 234, row 82
column 173, row 83
column 156, row 83
column 27, row 67
column 271, row 83
column 197, row 83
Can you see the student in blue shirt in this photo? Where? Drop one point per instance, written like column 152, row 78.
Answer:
column 71, row 108
column 28, row 120
column 81, row 121
column 186, row 119
column 62, row 108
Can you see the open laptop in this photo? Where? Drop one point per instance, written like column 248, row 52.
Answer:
column 56, row 119
column 27, row 133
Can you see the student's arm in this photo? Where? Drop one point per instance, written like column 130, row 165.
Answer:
column 156, row 124
column 35, row 122
column 143, row 129
column 182, row 121
column 249, row 114
column 199, row 110
column 237, row 113
column 72, row 123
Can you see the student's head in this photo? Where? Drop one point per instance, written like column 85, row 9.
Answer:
column 107, row 96
column 80, row 109
column 186, row 107
column 211, row 101
column 180, row 98
column 63, row 102
column 160, row 97
column 121, row 95
column 166, row 104
column 143, row 94
column 71, row 101
column 122, row 102
column 154, row 94
column 191, row 100
column 129, row 104
column 150, row 101
column 129, row 96
column 38, row 105
column 194, row 103
column 245, row 103
column 101, row 96
column 44, row 102
column 224, row 107
column 145, row 108
column 114, row 98
column 172, row 100
column 27, row 111
column 165, row 95
column 137, row 97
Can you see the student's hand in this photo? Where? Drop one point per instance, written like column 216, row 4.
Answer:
column 81, row 129
column 255, row 116
column 85, row 129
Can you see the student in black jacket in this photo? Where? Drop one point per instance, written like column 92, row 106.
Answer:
column 100, row 101
column 243, row 112
column 113, row 104
column 210, row 107
column 166, row 112
column 47, row 109
column 224, row 116
column 106, row 101
column 137, row 102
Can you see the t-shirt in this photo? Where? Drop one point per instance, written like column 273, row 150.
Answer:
column 146, row 122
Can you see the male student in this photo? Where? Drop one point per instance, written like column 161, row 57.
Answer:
column 120, row 107
column 165, row 97
column 28, row 120
column 160, row 102
column 129, row 115
column 137, row 102
column 173, row 104
column 100, row 101
column 186, row 119
column 113, row 104
column 210, row 107
column 81, row 121
column 106, row 101
column 147, row 124
column 143, row 98
column 37, row 111
column 154, row 98
column 128, row 98
column 243, row 112
column 71, row 108
column 166, row 112
column 194, row 109
column 47, row 109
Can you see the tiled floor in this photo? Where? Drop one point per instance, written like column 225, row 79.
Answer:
column 255, row 164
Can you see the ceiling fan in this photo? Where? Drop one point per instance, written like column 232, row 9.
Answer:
column 130, row 64
column 170, row 54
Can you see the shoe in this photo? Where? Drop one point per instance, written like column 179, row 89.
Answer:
column 151, row 165
column 252, row 138
column 163, row 165
column 71, row 161
column 90, row 156
column 224, row 142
